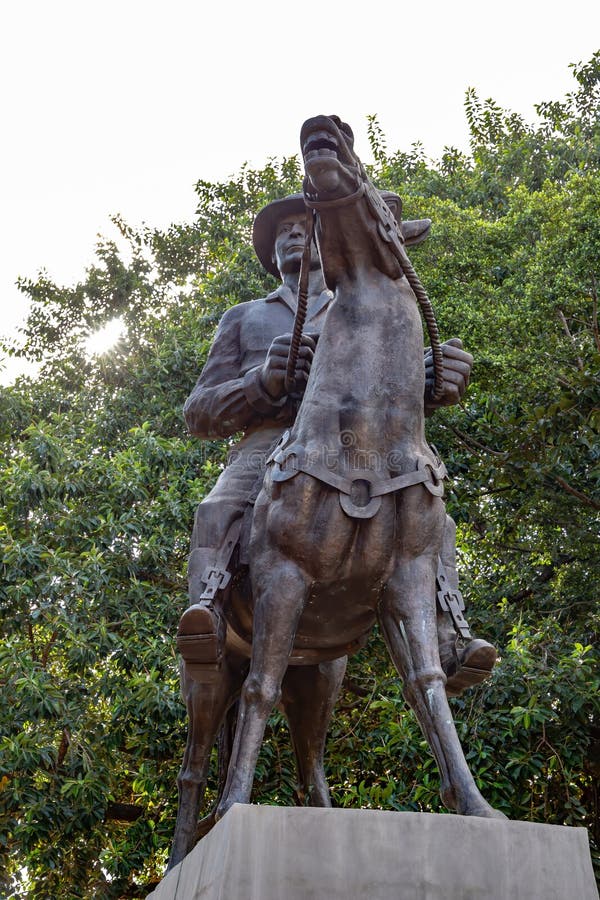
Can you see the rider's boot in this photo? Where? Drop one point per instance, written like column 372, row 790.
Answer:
column 464, row 662
column 200, row 635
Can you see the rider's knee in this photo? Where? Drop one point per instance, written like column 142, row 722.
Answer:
column 448, row 551
column 449, row 530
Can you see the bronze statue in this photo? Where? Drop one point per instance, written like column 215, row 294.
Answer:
column 345, row 510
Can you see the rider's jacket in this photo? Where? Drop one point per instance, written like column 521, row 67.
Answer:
column 228, row 396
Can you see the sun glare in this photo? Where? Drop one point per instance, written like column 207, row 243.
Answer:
column 106, row 337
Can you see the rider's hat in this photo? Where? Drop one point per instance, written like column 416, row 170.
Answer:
column 265, row 224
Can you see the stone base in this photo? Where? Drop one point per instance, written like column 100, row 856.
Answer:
column 280, row 853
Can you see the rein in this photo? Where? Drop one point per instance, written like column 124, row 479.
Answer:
column 390, row 232
column 301, row 308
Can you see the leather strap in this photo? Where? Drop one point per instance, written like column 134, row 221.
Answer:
column 288, row 461
column 341, row 201
column 217, row 576
column 451, row 600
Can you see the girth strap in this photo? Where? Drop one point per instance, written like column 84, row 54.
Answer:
column 360, row 495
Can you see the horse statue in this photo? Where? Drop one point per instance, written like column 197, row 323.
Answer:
column 348, row 525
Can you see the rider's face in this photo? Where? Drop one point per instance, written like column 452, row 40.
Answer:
column 289, row 245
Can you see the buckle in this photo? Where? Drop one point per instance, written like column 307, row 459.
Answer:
column 216, row 580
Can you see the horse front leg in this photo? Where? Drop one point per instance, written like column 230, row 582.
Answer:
column 408, row 618
column 309, row 694
column 280, row 593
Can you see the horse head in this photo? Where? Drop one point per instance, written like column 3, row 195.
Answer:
column 359, row 229
column 350, row 212
column 332, row 167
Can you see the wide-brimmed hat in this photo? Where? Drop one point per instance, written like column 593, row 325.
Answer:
column 265, row 225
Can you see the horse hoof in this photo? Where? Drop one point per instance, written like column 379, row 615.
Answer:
column 205, row 825
column 483, row 810
column 448, row 797
column 222, row 808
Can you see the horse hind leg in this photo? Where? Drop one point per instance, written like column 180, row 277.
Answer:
column 408, row 619
column 224, row 746
column 309, row 694
column 207, row 705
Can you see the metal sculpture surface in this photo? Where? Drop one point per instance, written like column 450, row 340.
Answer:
column 349, row 525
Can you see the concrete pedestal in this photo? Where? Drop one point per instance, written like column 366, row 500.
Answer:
column 277, row 853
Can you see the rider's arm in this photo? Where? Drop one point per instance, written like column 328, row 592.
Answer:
column 225, row 401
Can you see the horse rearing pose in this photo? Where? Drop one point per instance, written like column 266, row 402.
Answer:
column 348, row 525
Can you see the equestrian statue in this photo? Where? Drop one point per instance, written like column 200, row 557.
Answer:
column 329, row 516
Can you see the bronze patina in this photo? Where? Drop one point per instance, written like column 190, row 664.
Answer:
column 329, row 515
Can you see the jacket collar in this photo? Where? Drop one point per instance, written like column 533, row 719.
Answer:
column 284, row 295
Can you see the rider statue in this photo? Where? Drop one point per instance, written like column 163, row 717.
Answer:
column 242, row 389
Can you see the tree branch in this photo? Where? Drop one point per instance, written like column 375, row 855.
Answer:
column 48, row 647
column 571, row 490
column 31, row 641
column 567, row 331
column 545, row 576
column 468, row 440
column 595, row 331
column 63, row 747
column 353, row 688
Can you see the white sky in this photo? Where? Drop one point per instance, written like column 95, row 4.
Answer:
column 122, row 105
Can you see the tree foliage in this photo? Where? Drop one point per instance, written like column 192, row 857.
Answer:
column 99, row 482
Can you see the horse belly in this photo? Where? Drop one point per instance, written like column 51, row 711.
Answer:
column 337, row 614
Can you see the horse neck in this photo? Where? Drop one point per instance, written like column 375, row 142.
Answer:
column 368, row 375
column 349, row 242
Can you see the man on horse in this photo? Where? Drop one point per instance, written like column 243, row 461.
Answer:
column 242, row 389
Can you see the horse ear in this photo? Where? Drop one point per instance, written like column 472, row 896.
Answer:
column 415, row 231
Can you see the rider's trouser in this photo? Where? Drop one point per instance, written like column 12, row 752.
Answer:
column 227, row 501
column 446, row 628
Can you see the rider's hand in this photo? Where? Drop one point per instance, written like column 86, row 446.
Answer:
column 456, row 370
column 272, row 374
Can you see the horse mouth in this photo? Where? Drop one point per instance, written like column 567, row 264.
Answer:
column 320, row 145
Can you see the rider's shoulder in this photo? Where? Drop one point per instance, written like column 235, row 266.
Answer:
column 244, row 312
column 234, row 314
column 240, row 310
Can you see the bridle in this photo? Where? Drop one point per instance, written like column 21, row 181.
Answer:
column 391, row 233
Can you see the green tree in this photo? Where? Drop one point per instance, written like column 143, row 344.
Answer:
column 99, row 482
